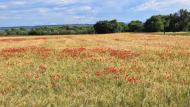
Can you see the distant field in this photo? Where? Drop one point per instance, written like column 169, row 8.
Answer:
column 175, row 33
column 119, row 70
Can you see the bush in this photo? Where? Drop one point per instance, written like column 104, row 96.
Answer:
column 103, row 27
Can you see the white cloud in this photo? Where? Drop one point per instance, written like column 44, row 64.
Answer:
column 159, row 5
column 9, row 17
column 24, row 3
column 12, row 4
column 18, row 2
column 3, row 6
column 80, row 9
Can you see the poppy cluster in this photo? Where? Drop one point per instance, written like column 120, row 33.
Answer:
column 11, row 52
column 116, row 74
column 84, row 52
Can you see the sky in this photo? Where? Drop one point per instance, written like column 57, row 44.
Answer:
column 52, row 12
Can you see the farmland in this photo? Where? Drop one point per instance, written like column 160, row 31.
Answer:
column 122, row 69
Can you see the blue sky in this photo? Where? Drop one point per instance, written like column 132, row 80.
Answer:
column 40, row 12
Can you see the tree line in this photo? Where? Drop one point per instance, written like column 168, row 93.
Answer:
column 51, row 30
column 175, row 22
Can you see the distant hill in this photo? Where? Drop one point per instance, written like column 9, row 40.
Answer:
column 65, row 29
column 31, row 27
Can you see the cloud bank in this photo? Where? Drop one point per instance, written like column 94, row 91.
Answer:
column 37, row 12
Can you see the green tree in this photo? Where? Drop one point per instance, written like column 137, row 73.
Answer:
column 16, row 31
column 184, row 19
column 102, row 27
column 166, row 20
column 122, row 27
column 173, row 24
column 154, row 24
column 136, row 26
column 179, row 21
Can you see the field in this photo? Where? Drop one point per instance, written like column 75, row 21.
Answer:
column 115, row 70
column 175, row 33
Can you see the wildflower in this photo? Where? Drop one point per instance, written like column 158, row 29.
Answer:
column 131, row 79
column 111, row 70
column 42, row 67
column 98, row 73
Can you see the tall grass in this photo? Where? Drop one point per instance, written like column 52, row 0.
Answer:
column 104, row 70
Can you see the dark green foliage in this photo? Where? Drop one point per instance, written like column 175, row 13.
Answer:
column 173, row 23
column 166, row 20
column 154, row 24
column 180, row 21
column 176, row 22
column 135, row 26
column 122, row 27
column 188, row 26
column 112, row 26
column 184, row 19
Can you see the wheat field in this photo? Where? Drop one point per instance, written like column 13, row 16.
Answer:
column 111, row 70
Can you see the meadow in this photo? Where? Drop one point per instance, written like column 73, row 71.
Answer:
column 110, row 70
